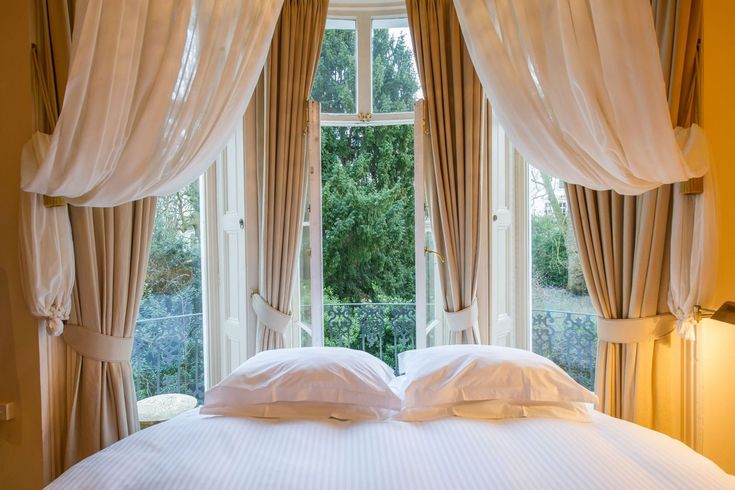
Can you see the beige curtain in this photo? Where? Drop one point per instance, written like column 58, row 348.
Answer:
column 624, row 240
column 455, row 120
column 622, row 247
column 111, row 248
column 290, row 71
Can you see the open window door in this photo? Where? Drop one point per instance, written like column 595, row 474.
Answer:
column 430, row 329
column 308, row 305
column 224, row 222
column 509, row 247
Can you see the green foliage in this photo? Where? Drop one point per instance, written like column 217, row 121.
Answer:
column 394, row 79
column 173, row 283
column 368, row 212
column 336, row 76
column 367, row 174
column 549, row 252
column 167, row 355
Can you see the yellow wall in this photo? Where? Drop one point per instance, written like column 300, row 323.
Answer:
column 718, row 340
column 20, row 439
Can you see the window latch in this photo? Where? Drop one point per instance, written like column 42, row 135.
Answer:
column 427, row 250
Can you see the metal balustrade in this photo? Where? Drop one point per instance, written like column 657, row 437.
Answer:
column 168, row 356
column 381, row 329
column 568, row 339
column 168, row 351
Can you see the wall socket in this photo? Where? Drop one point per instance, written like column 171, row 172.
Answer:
column 7, row 410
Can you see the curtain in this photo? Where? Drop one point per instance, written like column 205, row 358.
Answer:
column 578, row 88
column 47, row 295
column 625, row 240
column 693, row 260
column 290, row 72
column 111, row 247
column 154, row 90
column 622, row 246
column 455, row 117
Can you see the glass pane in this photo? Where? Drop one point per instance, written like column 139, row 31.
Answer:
column 305, row 277
column 395, row 82
column 306, row 340
column 435, row 334
column 431, row 276
column 336, row 76
column 564, row 326
column 168, row 352
column 368, row 239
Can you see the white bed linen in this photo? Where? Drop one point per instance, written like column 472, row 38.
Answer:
column 196, row 451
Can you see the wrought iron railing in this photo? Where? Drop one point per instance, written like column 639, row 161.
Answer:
column 168, row 351
column 382, row 329
column 568, row 339
column 168, row 356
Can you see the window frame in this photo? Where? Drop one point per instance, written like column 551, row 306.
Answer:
column 363, row 16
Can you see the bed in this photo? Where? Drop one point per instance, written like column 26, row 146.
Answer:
column 200, row 451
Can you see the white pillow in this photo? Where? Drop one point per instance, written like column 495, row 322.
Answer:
column 449, row 375
column 313, row 381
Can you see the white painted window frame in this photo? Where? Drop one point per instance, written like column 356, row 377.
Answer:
column 363, row 16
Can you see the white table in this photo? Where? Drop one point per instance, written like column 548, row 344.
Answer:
column 159, row 408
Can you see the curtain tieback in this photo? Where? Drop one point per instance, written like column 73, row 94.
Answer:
column 272, row 318
column 98, row 346
column 634, row 330
column 463, row 319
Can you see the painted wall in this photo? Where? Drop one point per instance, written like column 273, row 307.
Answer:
column 20, row 439
column 718, row 339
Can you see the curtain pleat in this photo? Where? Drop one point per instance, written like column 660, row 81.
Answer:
column 455, row 116
column 624, row 240
column 111, row 246
column 622, row 247
column 290, row 71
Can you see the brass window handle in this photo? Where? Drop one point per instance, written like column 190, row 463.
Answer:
column 427, row 250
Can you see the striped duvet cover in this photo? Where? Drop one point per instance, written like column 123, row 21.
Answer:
column 209, row 452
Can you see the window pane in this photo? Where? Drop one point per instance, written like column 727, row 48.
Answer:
column 168, row 348
column 336, row 75
column 395, row 83
column 564, row 325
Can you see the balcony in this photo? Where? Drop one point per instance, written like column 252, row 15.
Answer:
column 168, row 351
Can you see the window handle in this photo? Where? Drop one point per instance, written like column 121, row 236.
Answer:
column 427, row 250
column 242, row 224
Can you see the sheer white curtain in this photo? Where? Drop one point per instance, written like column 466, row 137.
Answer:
column 579, row 88
column 154, row 89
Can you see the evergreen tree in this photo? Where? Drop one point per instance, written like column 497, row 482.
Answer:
column 367, row 174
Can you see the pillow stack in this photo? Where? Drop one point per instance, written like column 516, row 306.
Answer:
column 471, row 381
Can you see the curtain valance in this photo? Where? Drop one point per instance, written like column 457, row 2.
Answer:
column 155, row 89
column 578, row 87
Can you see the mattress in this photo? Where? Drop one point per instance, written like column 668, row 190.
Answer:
column 196, row 451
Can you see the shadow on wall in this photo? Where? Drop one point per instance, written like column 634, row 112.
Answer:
column 10, row 431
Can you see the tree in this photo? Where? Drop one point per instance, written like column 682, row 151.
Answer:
column 367, row 174
column 545, row 246
column 336, row 76
column 168, row 348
